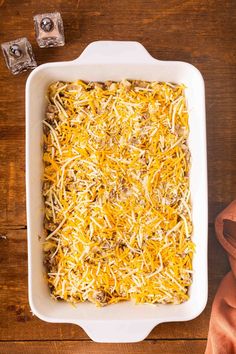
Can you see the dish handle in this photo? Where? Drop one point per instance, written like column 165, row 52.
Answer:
column 118, row 331
column 115, row 52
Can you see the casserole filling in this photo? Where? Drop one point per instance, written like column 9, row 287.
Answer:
column 116, row 192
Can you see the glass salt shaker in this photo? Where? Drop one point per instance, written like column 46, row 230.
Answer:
column 49, row 30
column 18, row 55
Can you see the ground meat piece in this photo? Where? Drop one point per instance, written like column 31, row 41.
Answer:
column 46, row 129
column 72, row 87
column 50, row 226
column 101, row 296
column 52, row 108
column 143, row 84
column 50, row 117
column 112, row 194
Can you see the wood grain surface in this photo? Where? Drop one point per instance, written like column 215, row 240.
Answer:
column 201, row 32
column 84, row 347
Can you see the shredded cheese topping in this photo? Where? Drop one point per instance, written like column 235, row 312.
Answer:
column 116, row 190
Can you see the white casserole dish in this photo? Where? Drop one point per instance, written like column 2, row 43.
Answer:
column 100, row 61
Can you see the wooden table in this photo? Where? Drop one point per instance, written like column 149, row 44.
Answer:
column 201, row 32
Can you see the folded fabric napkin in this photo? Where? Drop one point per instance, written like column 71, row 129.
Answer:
column 222, row 330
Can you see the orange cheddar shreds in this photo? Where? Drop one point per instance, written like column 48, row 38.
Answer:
column 117, row 193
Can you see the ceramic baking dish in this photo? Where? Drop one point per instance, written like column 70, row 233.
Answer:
column 101, row 61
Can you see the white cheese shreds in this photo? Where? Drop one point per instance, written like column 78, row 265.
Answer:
column 116, row 188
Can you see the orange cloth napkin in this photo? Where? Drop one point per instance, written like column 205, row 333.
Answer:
column 222, row 330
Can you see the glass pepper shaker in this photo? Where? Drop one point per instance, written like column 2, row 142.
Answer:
column 49, row 30
column 18, row 55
